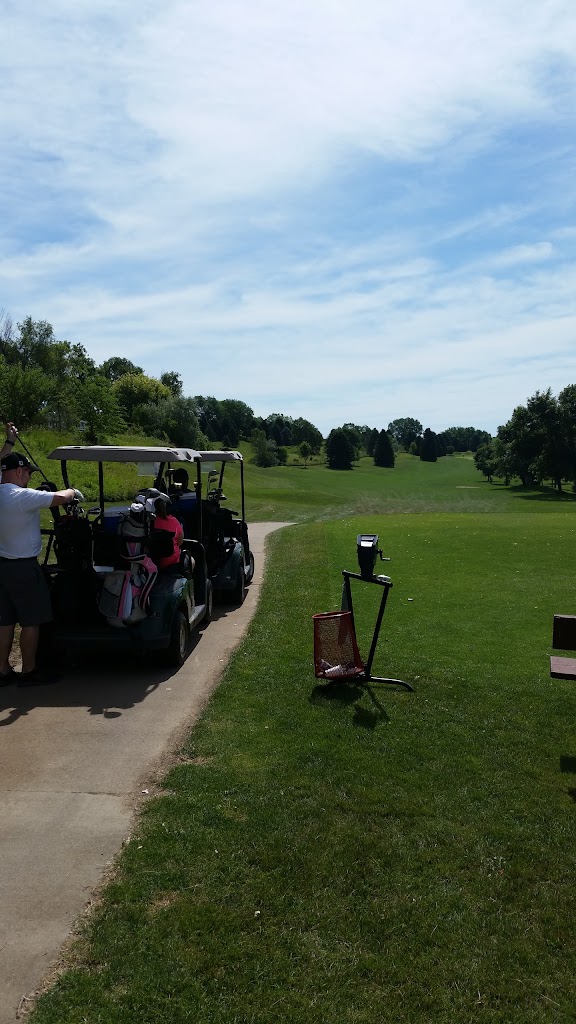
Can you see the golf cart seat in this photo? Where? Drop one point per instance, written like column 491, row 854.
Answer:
column 185, row 508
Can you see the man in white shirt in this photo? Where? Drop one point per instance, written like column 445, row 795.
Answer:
column 24, row 595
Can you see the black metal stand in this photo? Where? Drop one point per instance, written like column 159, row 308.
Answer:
column 386, row 583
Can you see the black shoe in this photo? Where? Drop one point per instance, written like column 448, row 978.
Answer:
column 7, row 678
column 37, row 677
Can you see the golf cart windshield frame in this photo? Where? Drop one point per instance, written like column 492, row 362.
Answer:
column 117, row 453
column 223, row 457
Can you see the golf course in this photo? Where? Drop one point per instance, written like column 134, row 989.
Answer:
column 360, row 854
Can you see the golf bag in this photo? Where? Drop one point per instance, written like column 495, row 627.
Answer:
column 125, row 595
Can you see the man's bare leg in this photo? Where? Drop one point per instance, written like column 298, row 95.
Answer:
column 6, row 639
column 29, row 636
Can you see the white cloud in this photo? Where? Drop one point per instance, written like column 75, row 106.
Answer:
column 523, row 254
column 303, row 184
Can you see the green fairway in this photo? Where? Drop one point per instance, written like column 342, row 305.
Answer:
column 452, row 484
column 365, row 854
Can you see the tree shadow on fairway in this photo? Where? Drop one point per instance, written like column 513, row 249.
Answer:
column 546, row 494
column 352, row 693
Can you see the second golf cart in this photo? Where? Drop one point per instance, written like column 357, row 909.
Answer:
column 223, row 532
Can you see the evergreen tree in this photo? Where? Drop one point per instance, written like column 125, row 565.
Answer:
column 383, row 451
column 303, row 430
column 441, row 446
column 340, row 452
column 355, row 436
column 428, row 450
column 371, row 439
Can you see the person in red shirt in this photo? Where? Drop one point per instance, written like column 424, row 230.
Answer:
column 164, row 521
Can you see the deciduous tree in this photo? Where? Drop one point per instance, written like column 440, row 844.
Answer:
column 405, row 430
column 305, row 452
column 117, row 367
column 135, row 389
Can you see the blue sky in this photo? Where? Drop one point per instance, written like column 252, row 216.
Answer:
column 347, row 212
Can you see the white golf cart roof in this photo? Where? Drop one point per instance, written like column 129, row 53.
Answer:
column 124, row 453
column 221, row 456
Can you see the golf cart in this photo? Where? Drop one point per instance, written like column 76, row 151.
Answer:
column 102, row 564
column 223, row 532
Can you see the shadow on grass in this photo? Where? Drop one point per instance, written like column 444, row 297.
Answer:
column 568, row 767
column 344, row 693
column 352, row 693
column 546, row 494
column 369, row 718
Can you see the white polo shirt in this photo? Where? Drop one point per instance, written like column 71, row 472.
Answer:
column 20, row 509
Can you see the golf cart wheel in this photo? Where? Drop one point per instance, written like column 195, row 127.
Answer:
column 239, row 593
column 251, row 569
column 179, row 639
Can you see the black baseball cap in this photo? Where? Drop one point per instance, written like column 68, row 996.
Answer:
column 15, row 461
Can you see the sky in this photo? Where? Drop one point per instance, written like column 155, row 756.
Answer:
column 350, row 212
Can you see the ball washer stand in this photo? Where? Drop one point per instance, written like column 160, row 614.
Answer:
column 368, row 551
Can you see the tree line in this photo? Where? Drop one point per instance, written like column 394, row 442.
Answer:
column 45, row 381
column 55, row 383
column 345, row 444
column 538, row 442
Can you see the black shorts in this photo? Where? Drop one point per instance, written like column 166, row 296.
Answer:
column 24, row 594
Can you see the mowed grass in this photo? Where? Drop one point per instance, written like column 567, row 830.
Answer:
column 364, row 854
column 452, row 484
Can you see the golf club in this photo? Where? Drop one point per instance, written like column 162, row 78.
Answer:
column 28, row 452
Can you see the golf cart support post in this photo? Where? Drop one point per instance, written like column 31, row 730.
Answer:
column 337, row 631
column 225, row 532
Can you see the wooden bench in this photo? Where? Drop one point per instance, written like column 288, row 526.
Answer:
column 564, row 639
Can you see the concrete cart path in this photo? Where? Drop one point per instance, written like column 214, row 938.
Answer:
column 75, row 759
